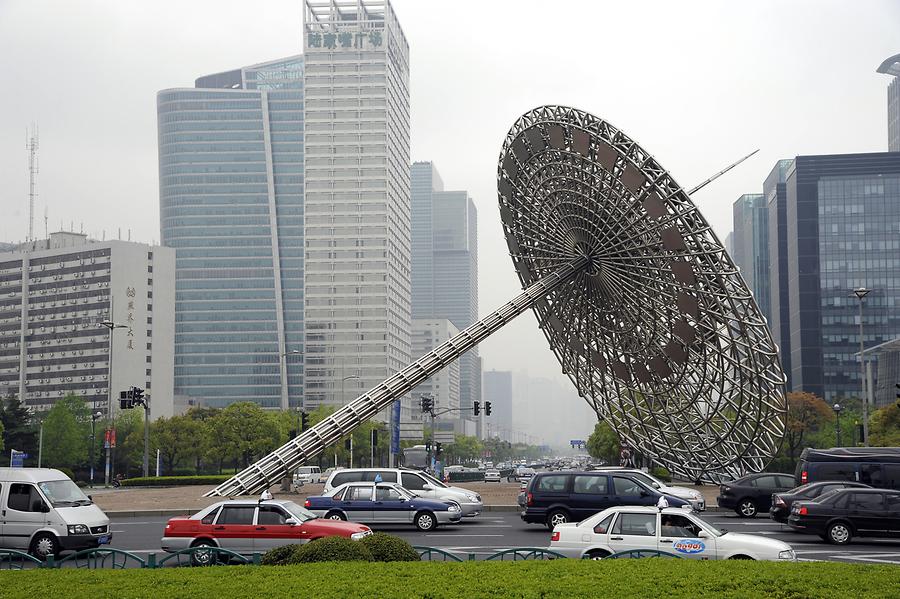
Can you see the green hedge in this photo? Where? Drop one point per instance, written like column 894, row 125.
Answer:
column 623, row 579
column 331, row 549
column 466, row 477
column 388, row 548
column 174, row 481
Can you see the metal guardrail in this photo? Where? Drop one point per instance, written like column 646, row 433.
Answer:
column 639, row 553
column 525, row 553
column 428, row 554
column 10, row 559
column 99, row 558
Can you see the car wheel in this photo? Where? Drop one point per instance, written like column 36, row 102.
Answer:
column 747, row 508
column 839, row 533
column 44, row 545
column 740, row 557
column 597, row 554
column 557, row 517
column 426, row 521
column 205, row 556
column 335, row 516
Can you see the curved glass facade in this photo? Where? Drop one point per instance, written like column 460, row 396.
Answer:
column 231, row 204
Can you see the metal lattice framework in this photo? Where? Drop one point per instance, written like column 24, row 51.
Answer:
column 639, row 301
column 658, row 332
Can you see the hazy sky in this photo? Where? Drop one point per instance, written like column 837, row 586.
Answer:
column 698, row 84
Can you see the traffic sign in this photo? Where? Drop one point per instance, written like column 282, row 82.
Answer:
column 17, row 458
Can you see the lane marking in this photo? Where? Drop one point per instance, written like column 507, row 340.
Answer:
column 454, row 535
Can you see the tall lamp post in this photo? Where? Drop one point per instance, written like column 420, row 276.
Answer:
column 837, row 427
column 860, row 294
column 111, row 326
column 347, row 378
column 94, row 417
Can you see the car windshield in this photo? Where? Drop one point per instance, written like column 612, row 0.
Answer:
column 298, row 511
column 645, row 478
column 434, row 482
column 710, row 528
column 801, row 489
column 63, row 493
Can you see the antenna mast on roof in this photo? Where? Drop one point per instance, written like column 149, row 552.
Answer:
column 31, row 146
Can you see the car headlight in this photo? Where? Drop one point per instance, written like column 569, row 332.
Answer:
column 696, row 495
column 472, row 498
column 786, row 554
column 360, row 535
column 453, row 508
column 78, row 529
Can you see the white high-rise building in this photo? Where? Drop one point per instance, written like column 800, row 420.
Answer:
column 429, row 333
column 56, row 292
column 357, row 198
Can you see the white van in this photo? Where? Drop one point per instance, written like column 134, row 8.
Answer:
column 43, row 512
column 308, row 474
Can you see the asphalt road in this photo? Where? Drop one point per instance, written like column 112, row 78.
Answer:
column 494, row 531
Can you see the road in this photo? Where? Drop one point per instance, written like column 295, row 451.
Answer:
column 493, row 531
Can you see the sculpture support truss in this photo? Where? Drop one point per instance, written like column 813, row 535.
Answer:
column 642, row 306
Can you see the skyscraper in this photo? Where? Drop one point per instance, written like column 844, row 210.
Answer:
column 498, row 390
column 751, row 246
column 445, row 263
column 891, row 66
column 231, row 204
column 843, row 232
column 357, row 228
column 775, row 192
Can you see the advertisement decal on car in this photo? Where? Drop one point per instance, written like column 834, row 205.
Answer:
column 689, row 546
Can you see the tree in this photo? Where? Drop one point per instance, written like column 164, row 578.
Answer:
column 175, row 438
column 67, row 433
column 604, row 443
column 806, row 414
column 884, row 427
column 129, row 452
column 19, row 432
column 244, row 432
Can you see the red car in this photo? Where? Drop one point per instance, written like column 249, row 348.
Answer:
column 253, row 527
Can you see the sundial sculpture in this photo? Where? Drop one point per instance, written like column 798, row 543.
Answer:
column 641, row 304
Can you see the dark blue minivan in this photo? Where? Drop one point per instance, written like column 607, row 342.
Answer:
column 556, row 497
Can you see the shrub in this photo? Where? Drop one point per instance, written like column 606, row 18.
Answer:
column 331, row 549
column 280, row 556
column 174, row 481
column 662, row 474
column 388, row 548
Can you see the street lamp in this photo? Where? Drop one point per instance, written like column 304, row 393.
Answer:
column 346, row 378
column 94, row 418
column 860, row 294
column 111, row 326
column 837, row 428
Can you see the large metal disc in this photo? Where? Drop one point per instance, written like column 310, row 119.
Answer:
column 659, row 333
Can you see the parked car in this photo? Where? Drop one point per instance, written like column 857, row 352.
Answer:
column 252, row 526
column 556, row 497
column 421, row 483
column 873, row 466
column 492, row 476
column 384, row 503
column 307, row 475
column 752, row 494
column 45, row 513
column 672, row 530
column 782, row 502
column 694, row 497
column 840, row 515
column 520, row 474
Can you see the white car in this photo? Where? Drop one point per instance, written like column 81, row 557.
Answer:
column 492, row 476
column 672, row 530
column 694, row 497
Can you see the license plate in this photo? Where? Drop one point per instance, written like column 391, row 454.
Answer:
column 103, row 540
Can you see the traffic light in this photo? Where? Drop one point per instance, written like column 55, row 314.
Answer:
column 860, row 433
column 427, row 447
column 137, row 395
column 304, row 421
column 487, row 408
column 374, row 437
column 125, row 402
column 437, row 449
column 477, row 408
column 427, row 403
column 347, row 445
column 292, row 434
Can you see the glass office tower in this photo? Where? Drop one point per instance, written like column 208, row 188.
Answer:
column 891, row 66
column 231, row 204
column 843, row 232
column 751, row 246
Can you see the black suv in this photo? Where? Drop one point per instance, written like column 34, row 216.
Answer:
column 752, row 494
column 839, row 515
column 553, row 498
column 782, row 502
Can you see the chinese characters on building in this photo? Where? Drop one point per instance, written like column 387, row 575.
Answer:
column 130, row 292
column 344, row 39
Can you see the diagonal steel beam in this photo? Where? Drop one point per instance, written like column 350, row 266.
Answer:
column 270, row 469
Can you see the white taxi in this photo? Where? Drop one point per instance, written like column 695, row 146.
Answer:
column 672, row 530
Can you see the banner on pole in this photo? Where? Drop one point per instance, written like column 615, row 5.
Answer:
column 395, row 428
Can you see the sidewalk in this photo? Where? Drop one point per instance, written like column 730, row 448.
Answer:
column 173, row 501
